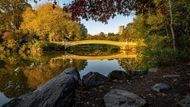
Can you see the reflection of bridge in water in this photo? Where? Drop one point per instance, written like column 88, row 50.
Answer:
column 115, row 56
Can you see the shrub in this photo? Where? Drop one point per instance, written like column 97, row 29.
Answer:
column 1, row 48
column 167, row 56
column 53, row 47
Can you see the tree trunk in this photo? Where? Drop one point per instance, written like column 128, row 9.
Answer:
column 171, row 26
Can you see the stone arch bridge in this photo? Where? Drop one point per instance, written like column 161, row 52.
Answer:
column 122, row 45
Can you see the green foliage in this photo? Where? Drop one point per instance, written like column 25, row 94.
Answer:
column 102, row 36
column 53, row 47
column 84, row 31
column 153, row 28
column 167, row 56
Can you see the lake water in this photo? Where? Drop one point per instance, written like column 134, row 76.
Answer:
column 22, row 74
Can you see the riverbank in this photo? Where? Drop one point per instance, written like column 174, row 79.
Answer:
column 176, row 77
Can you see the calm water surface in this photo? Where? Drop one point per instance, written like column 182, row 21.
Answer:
column 22, row 74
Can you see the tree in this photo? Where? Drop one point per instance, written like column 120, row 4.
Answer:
column 46, row 22
column 181, row 22
column 171, row 24
column 10, row 13
column 9, row 40
column 101, row 36
column 102, row 10
column 84, row 31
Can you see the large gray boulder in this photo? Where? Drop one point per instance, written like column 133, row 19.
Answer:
column 159, row 87
column 94, row 79
column 57, row 92
column 122, row 98
column 117, row 75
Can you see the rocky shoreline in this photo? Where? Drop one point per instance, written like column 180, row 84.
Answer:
column 160, row 87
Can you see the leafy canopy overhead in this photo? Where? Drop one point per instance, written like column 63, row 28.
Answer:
column 102, row 10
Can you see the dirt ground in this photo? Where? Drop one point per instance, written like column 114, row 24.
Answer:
column 141, row 85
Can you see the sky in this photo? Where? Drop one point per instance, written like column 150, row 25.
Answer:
column 112, row 26
column 97, row 27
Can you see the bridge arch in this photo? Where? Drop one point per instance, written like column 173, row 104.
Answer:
column 105, row 42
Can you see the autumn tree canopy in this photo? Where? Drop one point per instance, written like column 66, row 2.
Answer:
column 10, row 13
column 102, row 10
column 50, row 23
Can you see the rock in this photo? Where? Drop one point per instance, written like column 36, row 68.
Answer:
column 117, row 75
column 94, row 79
column 100, row 90
column 188, row 73
column 188, row 64
column 121, row 81
column 185, row 102
column 139, row 72
column 171, row 76
column 115, row 81
column 122, row 98
column 153, row 70
column 159, row 87
column 101, row 87
column 57, row 92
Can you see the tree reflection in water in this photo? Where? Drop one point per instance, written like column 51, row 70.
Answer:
column 20, row 75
